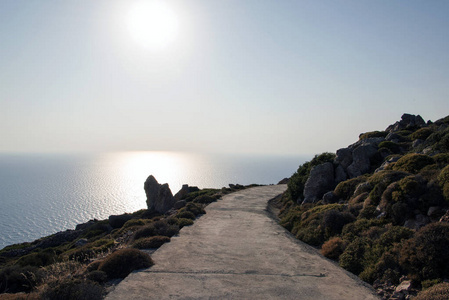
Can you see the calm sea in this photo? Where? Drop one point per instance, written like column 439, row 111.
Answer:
column 43, row 194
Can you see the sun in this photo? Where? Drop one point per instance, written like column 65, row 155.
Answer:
column 152, row 24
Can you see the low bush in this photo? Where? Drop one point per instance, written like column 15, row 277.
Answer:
column 151, row 242
column 345, row 189
column 38, row 259
column 184, row 222
column 352, row 258
column 15, row 279
column 97, row 276
column 205, row 199
column 73, row 289
column 443, row 180
column 422, row 133
column 437, row 292
column 185, row 215
column 134, row 222
column 413, row 163
column 372, row 134
column 122, row 262
column 426, row 255
column 333, row 248
column 393, row 147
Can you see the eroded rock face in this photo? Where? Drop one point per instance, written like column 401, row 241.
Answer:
column 159, row 196
column 320, row 181
column 361, row 160
column 407, row 120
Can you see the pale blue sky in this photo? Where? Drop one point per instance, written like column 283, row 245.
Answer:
column 293, row 77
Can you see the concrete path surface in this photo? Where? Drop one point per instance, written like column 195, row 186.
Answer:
column 236, row 251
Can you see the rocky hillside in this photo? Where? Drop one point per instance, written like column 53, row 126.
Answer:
column 380, row 207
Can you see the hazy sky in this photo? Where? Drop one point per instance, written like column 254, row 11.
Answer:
column 293, row 77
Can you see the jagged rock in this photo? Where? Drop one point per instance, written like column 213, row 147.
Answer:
column 179, row 204
column 159, row 196
column 182, row 192
column 386, row 163
column 361, row 160
column 407, row 121
column 344, row 157
column 394, row 137
column 320, row 181
column 340, row 174
column 329, row 198
column 117, row 221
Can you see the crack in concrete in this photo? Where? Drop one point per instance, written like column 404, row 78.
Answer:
column 234, row 273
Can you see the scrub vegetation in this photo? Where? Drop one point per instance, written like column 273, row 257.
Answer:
column 82, row 263
column 390, row 224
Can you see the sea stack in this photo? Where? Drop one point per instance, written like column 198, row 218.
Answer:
column 159, row 196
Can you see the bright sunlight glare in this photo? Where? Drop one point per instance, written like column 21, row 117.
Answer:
column 152, row 24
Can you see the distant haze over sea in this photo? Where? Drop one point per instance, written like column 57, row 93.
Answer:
column 42, row 194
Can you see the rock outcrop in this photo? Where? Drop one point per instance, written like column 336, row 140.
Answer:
column 320, row 181
column 159, row 196
column 357, row 159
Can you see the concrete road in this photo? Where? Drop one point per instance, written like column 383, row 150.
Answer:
column 236, row 251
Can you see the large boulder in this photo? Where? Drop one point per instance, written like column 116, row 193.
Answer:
column 344, row 157
column 184, row 191
column 361, row 160
column 407, row 121
column 159, row 196
column 320, row 181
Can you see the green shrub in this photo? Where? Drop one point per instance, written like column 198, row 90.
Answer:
column 442, row 159
column 439, row 140
column 352, row 230
column 151, row 242
column 413, row 162
column 37, row 259
column 380, row 181
column 133, row 222
column 295, row 187
column 97, row 276
column 205, row 199
column 333, row 248
column 393, row 147
column 204, row 192
column 429, row 283
column 345, row 189
column 184, row 222
column 161, row 227
column 334, row 220
column 73, row 289
column 426, row 255
column 122, row 262
column 15, row 279
column 436, row 292
column 422, row 133
column 194, row 208
column 185, row 215
column 352, row 258
column 373, row 134
column 443, row 180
